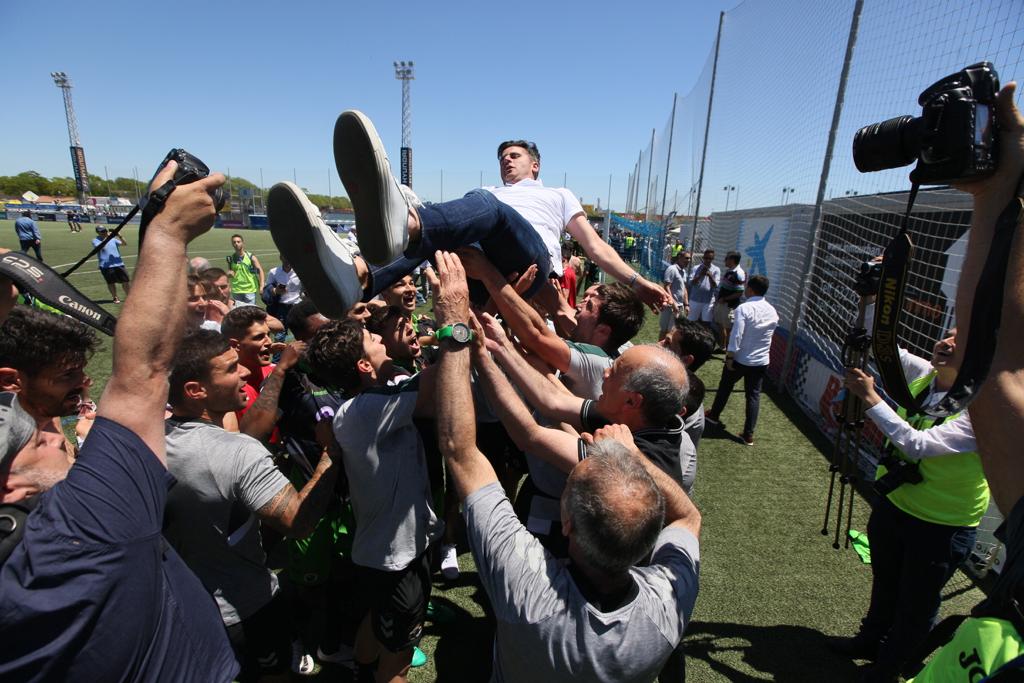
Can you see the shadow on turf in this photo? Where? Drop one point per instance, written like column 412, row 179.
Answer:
column 464, row 646
column 788, row 653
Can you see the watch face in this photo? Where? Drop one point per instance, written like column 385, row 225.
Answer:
column 460, row 332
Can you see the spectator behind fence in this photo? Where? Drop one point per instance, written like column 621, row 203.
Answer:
column 92, row 592
column 599, row 618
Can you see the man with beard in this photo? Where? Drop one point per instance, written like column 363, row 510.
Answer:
column 227, row 485
column 43, row 358
column 399, row 337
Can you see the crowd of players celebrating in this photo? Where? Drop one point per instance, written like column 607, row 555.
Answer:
column 356, row 452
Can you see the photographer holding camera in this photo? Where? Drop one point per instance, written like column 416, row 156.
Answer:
column 931, row 496
column 89, row 589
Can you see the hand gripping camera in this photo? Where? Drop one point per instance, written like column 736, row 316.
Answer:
column 190, row 169
column 953, row 140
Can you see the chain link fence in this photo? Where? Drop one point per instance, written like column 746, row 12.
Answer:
column 758, row 160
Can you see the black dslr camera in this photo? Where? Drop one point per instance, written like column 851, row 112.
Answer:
column 190, row 169
column 868, row 278
column 953, row 140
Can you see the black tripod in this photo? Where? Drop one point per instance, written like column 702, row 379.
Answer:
column 846, row 453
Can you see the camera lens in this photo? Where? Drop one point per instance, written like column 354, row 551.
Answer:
column 889, row 144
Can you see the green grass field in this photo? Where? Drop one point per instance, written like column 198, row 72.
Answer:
column 772, row 588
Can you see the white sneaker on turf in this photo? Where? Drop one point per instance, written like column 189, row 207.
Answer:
column 322, row 260
column 343, row 656
column 302, row 662
column 449, row 562
column 380, row 206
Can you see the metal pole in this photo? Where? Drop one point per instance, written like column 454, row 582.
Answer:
column 607, row 220
column 263, row 200
column 707, row 127
column 329, row 189
column 736, row 199
column 442, row 184
column 650, row 166
column 668, row 157
column 798, row 310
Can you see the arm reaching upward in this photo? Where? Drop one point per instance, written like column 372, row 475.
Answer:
column 150, row 328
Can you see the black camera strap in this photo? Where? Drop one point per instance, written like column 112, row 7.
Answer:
column 46, row 285
column 985, row 317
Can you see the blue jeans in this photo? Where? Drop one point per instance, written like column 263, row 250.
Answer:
column 911, row 560
column 244, row 297
column 477, row 219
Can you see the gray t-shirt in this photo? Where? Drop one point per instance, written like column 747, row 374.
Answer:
column 387, row 474
column 587, row 364
column 693, row 425
column 222, row 479
column 546, row 629
column 675, row 278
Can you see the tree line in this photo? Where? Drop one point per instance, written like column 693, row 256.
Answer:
column 13, row 186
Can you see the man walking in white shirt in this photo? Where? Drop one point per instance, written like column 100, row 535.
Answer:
column 747, row 355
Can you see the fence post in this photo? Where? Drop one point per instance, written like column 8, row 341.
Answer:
column 798, row 309
column 707, row 126
column 647, row 192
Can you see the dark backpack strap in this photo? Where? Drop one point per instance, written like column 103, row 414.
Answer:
column 13, row 517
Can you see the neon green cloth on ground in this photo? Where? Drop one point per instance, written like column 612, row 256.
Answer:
column 979, row 647
column 859, row 542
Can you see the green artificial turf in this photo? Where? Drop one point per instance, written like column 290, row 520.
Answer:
column 772, row 587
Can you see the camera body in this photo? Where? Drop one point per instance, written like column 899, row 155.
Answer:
column 868, row 278
column 191, row 169
column 954, row 140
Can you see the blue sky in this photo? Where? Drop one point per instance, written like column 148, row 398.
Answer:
column 257, row 85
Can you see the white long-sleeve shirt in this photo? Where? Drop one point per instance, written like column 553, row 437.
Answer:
column 952, row 436
column 753, row 326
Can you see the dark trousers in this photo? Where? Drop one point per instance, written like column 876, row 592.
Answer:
column 911, row 560
column 753, row 378
column 31, row 244
column 477, row 219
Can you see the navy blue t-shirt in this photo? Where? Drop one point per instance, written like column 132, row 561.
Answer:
column 93, row 593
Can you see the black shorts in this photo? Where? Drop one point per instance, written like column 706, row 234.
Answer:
column 115, row 274
column 397, row 602
column 262, row 642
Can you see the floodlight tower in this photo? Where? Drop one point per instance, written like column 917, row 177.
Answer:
column 62, row 81
column 403, row 72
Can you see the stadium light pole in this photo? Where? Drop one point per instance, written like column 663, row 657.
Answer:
column 61, row 80
column 728, row 190
column 787, row 191
column 403, row 72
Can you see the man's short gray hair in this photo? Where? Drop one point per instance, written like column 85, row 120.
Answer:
column 617, row 510
column 664, row 396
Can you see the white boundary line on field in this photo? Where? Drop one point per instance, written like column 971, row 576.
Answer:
column 135, row 256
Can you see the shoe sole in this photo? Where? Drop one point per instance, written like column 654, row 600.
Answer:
column 361, row 162
column 298, row 232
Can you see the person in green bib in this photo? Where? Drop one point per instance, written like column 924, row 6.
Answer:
column 245, row 271
column 919, row 532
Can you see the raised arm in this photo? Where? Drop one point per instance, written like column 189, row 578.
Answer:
column 555, row 446
column 258, row 422
column 525, row 322
column 151, row 327
column 679, row 509
column 456, row 417
column 603, row 255
column 556, row 405
column 998, row 412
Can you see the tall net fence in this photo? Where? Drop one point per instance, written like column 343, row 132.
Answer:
column 770, row 172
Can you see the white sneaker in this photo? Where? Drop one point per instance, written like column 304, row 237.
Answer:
column 449, row 562
column 324, row 263
column 302, row 662
column 380, row 206
column 344, row 656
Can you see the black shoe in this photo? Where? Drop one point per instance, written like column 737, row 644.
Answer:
column 875, row 674
column 854, row 647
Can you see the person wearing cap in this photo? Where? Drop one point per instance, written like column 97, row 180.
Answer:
column 89, row 589
column 111, row 264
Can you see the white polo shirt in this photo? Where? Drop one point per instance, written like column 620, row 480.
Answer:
column 751, row 339
column 547, row 209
